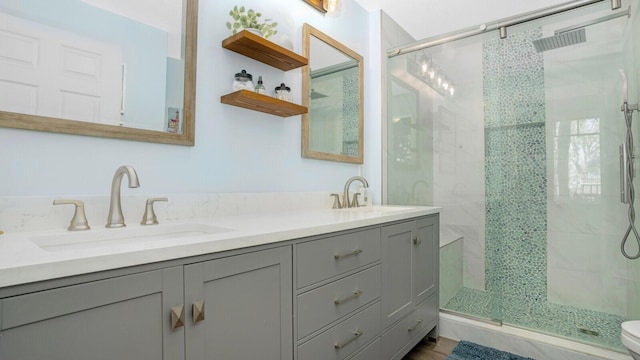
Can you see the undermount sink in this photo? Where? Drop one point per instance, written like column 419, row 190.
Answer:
column 120, row 236
column 378, row 208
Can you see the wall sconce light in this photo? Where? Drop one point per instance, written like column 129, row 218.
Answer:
column 329, row 7
column 423, row 68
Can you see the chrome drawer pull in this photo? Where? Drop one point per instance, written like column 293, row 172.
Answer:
column 353, row 253
column 416, row 326
column 355, row 295
column 355, row 337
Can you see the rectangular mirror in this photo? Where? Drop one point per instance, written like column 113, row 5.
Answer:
column 332, row 88
column 110, row 68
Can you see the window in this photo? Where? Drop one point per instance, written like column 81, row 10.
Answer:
column 577, row 159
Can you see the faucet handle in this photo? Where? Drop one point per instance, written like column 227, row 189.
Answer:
column 79, row 220
column 336, row 201
column 149, row 217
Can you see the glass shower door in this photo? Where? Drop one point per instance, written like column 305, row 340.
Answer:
column 524, row 159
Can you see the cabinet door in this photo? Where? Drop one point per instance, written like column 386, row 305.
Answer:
column 396, row 255
column 425, row 258
column 247, row 307
column 120, row 318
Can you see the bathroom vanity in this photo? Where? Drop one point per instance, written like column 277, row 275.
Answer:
column 313, row 284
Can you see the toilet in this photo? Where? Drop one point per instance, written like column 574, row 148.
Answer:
column 631, row 337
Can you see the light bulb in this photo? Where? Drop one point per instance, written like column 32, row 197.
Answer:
column 451, row 90
column 425, row 64
column 433, row 71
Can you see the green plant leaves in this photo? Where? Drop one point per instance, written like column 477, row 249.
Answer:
column 250, row 19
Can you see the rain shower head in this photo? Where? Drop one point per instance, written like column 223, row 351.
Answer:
column 559, row 40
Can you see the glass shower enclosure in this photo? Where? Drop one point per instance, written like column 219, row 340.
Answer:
column 519, row 141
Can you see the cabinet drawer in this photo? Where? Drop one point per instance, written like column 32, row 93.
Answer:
column 321, row 306
column 321, row 259
column 371, row 352
column 419, row 322
column 342, row 340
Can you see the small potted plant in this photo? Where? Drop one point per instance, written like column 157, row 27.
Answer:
column 250, row 19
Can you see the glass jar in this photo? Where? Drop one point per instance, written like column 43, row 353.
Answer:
column 283, row 92
column 243, row 81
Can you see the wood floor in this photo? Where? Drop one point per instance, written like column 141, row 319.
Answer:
column 431, row 350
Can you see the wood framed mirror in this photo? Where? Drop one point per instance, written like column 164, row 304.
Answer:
column 332, row 88
column 117, row 70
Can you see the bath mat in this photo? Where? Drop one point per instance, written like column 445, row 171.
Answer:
column 466, row 350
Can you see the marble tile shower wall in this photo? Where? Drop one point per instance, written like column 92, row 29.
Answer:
column 458, row 180
column 459, row 157
column 515, row 167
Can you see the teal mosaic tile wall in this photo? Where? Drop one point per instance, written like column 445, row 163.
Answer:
column 350, row 109
column 515, row 168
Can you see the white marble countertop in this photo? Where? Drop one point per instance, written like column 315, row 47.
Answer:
column 23, row 261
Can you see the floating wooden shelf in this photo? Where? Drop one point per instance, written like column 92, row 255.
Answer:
column 267, row 104
column 263, row 50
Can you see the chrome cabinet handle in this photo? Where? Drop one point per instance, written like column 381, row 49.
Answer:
column 352, row 253
column 177, row 317
column 198, row 311
column 355, row 337
column 353, row 296
column 417, row 240
column 416, row 326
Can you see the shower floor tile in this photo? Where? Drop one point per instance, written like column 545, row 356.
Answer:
column 583, row 325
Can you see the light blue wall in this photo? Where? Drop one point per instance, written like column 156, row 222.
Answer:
column 236, row 150
column 144, row 49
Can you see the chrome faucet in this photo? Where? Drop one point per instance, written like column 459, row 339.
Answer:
column 115, row 218
column 345, row 197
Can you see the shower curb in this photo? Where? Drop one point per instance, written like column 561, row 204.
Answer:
column 520, row 341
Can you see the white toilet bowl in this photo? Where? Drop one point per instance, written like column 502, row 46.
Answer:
column 631, row 337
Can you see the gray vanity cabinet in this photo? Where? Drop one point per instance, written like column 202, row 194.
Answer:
column 247, row 314
column 409, row 291
column 338, row 294
column 247, row 307
column 368, row 293
column 118, row 318
column 408, row 283
column 397, row 294
column 426, row 258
